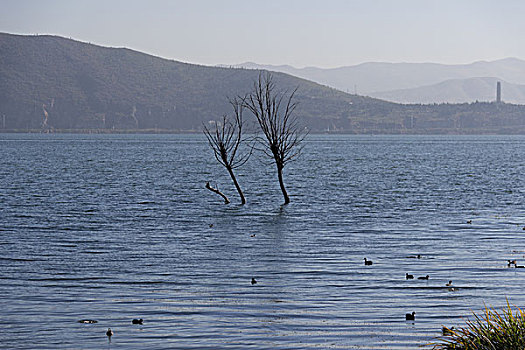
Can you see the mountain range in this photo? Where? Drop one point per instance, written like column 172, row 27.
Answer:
column 457, row 91
column 50, row 83
column 419, row 82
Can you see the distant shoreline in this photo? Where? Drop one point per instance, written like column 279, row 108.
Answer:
column 473, row 131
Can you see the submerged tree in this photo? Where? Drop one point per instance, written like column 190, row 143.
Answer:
column 225, row 141
column 282, row 136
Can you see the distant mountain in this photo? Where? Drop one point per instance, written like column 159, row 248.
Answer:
column 457, row 91
column 373, row 77
column 49, row 83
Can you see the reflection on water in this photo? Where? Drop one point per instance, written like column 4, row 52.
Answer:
column 116, row 227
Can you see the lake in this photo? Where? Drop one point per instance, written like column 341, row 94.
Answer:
column 116, row 227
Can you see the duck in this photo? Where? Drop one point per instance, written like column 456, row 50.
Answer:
column 423, row 277
column 414, row 256
column 137, row 321
column 511, row 262
column 469, row 221
column 254, row 281
column 519, row 266
column 87, row 321
column 410, row 317
column 449, row 284
column 368, row 262
column 109, row 333
column 409, row 277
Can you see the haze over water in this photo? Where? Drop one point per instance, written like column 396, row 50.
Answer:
column 116, row 227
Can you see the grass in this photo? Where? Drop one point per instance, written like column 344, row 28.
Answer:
column 489, row 330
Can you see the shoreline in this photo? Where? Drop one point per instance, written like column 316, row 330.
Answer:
column 502, row 131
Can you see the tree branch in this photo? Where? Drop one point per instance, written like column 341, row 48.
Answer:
column 226, row 200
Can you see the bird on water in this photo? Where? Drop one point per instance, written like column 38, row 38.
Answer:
column 109, row 333
column 137, row 321
column 409, row 277
column 254, row 281
column 423, row 277
column 410, row 317
column 368, row 262
column 87, row 321
column 449, row 284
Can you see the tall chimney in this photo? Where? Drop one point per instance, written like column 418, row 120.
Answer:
column 498, row 92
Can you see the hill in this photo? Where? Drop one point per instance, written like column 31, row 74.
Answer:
column 380, row 79
column 80, row 86
column 51, row 83
column 457, row 91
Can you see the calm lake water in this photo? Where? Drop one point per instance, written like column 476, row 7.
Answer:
column 116, row 227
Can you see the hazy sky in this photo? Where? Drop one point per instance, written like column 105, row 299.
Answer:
column 324, row 33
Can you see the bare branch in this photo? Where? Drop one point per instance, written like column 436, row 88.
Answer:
column 216, row 190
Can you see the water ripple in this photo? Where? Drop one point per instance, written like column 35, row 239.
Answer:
column 116, row 227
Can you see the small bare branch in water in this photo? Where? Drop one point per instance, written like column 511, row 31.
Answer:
column 226, row 200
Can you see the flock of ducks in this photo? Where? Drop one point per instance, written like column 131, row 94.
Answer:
column 449, row 285
column 411, row 277
column 412, row 316
column 109, row 332
column 408, row 317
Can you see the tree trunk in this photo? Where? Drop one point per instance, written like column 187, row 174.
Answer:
column 243, row 200
column 281, row 183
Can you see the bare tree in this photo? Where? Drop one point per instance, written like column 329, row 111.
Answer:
column 282, row 137
column 225, row 141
